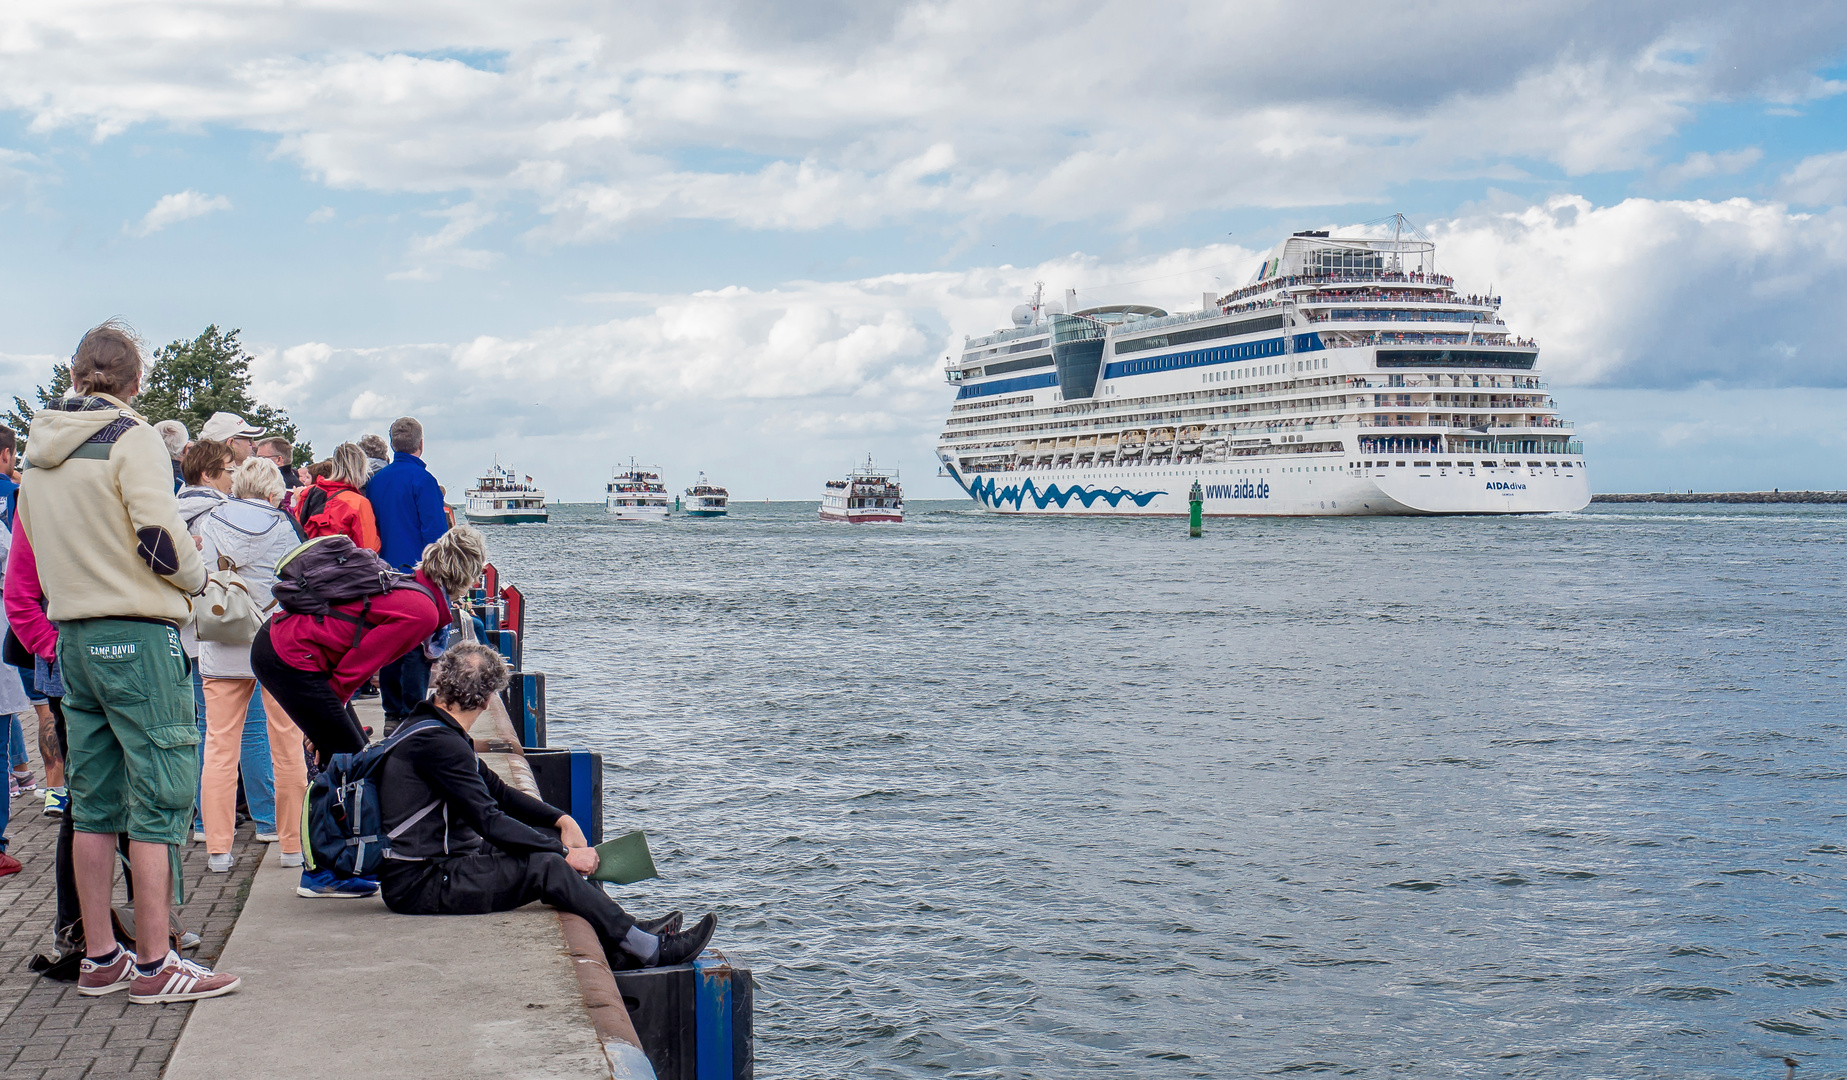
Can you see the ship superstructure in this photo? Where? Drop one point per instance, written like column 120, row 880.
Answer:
column 1348, row 377
column 500, row 497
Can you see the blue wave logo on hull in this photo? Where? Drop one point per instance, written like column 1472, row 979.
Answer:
column 987, row 492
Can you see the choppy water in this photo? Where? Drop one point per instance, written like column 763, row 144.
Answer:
column 997, row 798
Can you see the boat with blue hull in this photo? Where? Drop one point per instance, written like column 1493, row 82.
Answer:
column 1348, row 378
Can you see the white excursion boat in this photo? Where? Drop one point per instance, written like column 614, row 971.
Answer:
column 868, row 494
column 1349, row 377
column 636, row 493
column 706, row 500
column 499, row 497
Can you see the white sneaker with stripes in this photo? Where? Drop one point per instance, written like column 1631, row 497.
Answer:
column 179, row 980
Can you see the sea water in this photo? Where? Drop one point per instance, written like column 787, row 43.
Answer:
column 995, row 797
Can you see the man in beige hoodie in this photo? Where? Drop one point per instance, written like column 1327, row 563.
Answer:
column 119, row 572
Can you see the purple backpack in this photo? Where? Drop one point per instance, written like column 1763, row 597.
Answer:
column 332, row 570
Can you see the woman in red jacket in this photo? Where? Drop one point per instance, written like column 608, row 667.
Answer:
column 311, row 665
column 332, row 505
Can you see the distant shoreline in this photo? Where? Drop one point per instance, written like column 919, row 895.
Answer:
column 1727, row 497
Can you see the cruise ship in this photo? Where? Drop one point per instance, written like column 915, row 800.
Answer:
column 1348, row 377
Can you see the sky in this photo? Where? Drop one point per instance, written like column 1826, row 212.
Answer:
column 743, row 238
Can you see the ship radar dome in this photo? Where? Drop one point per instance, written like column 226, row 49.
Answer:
column 1023, row 315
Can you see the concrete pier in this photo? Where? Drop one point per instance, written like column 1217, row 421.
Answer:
column 345, row 987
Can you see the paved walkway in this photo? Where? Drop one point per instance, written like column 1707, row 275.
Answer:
column 47, row 1030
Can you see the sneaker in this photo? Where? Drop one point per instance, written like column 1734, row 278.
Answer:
column 199, row 835
column 9, row 865
column 57, row 801
column 267, row 837
column 367, row 690
column 98, row 977
column 23, row 784
column 180, row 980
column 291, row 858
column 189, row 940
column 684, row 946
column 220, row 864
column 322, row 884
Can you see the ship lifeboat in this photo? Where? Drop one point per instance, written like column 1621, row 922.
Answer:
column 1133, row 438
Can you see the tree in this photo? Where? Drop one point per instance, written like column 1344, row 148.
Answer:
column 20, row 419
column 191, row 380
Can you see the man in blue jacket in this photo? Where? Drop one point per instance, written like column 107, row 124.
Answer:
column 408, row 505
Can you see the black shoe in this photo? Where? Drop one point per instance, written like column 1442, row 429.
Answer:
column 666, row 924
column 683, row 947
column 366, row 691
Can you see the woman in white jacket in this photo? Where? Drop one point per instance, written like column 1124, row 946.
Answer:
column 249, row 534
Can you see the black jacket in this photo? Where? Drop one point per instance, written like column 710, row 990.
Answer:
column 477, row 808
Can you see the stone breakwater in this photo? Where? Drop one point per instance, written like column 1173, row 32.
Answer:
column 1727, row 497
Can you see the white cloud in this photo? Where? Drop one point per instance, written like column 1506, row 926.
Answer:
column 1665, row 294
column 322, row 216
column 797, row 116
column 1820, row 180
column 177, row 207
column 1699, row 164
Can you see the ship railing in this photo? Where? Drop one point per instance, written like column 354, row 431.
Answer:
column 1416, row 316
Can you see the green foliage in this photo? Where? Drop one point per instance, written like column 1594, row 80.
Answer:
column 191, row 380
column 20, row 419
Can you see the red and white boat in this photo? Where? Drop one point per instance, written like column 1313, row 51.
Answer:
column 868, row 494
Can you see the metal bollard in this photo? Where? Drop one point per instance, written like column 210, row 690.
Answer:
column 694, row 1020
column 572, row 780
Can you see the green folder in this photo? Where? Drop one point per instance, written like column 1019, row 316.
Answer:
column 624, row 860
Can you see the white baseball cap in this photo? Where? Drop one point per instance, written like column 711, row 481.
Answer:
column 224, row 426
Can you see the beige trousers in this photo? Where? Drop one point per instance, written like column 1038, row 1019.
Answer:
column 226, row 701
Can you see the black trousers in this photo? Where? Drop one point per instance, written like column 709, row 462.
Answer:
column 309, row 699
column 497, row 881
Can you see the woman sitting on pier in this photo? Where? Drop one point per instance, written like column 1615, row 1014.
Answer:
column 471, row 845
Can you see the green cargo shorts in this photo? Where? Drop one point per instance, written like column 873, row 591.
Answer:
column 132, row 761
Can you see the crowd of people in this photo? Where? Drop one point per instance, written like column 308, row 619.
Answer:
column 162, row 718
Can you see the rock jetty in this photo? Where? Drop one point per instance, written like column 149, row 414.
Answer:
column 1727, row 497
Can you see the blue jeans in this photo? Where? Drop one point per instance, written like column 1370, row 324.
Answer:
column 253, row 763
column 16, row 747
column 6, row 811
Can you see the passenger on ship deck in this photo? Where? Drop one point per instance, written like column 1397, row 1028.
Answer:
column 471, row 845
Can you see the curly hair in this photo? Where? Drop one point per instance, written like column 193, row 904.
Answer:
column 468, row 675
column 455, row 560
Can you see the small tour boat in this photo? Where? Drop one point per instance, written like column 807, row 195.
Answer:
column 705, row 499
column 500, row 497
column 635, row 493
column 868, row 494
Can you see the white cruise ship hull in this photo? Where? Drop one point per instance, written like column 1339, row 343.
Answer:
column 1295, row 486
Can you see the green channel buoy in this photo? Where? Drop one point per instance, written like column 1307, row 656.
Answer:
column 1197, row 498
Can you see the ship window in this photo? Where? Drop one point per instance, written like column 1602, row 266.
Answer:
column 1567, row 464
column 1551, row 464
column 1465, row 464
column 1401, row 464
column 1442, row 464
column 1422, row 464
column 1532, row 464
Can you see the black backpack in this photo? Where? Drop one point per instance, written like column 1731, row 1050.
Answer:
column 331, row 570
